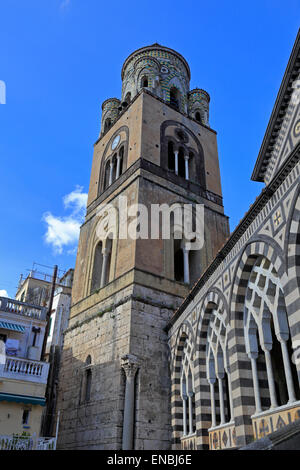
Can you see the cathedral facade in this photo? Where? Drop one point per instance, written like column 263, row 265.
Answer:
column 234, row 340
column 169, row 347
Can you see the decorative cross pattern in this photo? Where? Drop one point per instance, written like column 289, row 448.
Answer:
column 277, row 218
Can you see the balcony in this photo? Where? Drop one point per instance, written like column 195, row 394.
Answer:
column 24, row 369
column 21, row 308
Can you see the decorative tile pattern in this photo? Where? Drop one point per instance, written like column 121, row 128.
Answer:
column 269, row 422
column 222, row 438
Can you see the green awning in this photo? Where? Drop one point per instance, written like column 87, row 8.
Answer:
column 22, row 399
column 12, row 326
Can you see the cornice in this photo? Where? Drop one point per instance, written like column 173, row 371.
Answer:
column 278, row 113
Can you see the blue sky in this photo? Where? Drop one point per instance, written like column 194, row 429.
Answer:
column 60, row 59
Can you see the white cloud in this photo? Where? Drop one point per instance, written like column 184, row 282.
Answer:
column 63, row 231
column 3, row 293
column 76, row 199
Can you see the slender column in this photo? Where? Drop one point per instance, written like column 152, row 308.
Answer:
column 186, row 159
column 176, row 161
column 191, row 413
column 221, row 396
column 270, row 378
column 184, row 398
column 288, row 372
column 111, row 173
column 186, row 266
column 230, row 395
column 130, row 366
column 212, row 403
column 255, row 383
column 105, row 254
column 118, row 166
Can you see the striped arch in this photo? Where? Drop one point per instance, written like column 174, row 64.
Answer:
column 242, row 382
column 148, row 68
column 174, row 81
column 213, row 300
column 184, row 342
column 293, row 269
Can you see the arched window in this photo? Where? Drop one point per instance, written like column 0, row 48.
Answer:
column 145, row 82
column 267, row 333
column 198, row 116
column 181, row 261
column 107, row 175
column 181, row 163
column 114, row 168
column 178, row 261
column 217, row 370
column 102, row 264
column 187, row 391
column 106, row 262
column 174, row 98
column 127, row 99
column 171, row 156
column 186, row 260
column 107, row 124
column 120, row 160
column 97, row 267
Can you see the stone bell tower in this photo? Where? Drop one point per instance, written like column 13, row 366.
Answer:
column 155, row 147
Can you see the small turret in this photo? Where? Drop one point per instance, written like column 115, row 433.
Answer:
column 198, row 105
column 110, row 112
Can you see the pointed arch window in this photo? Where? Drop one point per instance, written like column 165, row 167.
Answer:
column 187, row 392
column 217, row 370
column 267, row 333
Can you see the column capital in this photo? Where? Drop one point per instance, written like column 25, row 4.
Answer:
column 130, row 364
column 220, row 375
column 253, row 355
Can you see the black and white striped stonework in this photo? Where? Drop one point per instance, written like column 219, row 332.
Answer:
column 274, row 234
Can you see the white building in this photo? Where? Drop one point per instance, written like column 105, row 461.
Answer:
column 23, row 376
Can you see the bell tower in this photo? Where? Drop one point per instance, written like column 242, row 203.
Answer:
column 155, row 148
